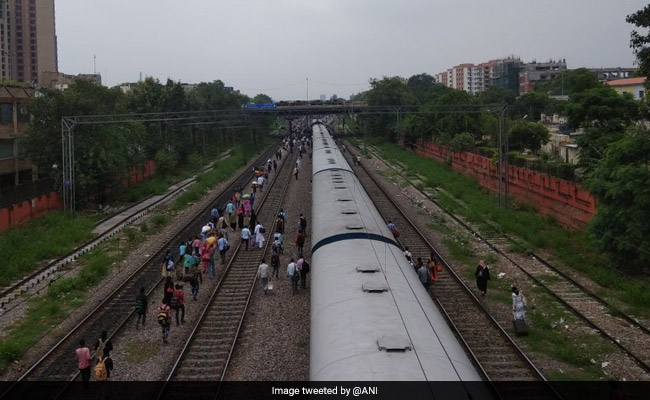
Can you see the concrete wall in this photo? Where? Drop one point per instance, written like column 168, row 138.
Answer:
column 563, row 200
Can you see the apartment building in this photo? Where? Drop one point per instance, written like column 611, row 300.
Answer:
column 14, row 120
column 28, row 45
column 532, row 73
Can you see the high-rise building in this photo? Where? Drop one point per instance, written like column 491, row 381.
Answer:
column 27, row 39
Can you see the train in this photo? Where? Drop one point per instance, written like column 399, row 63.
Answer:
column 371, row 318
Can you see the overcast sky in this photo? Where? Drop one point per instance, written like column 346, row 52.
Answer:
column 272, row 46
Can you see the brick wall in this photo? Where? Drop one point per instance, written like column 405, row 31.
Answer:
column 564, row 200
column 23, row 212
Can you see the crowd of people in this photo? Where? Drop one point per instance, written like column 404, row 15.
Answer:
column 199, row 256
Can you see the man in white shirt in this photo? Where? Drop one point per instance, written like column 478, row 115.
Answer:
column 260, row 183
column 263, row 274
column 291, row 271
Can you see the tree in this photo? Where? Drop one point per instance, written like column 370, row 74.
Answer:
column 601, row 107
column 621, row 185
column 528, row 135
column 421, row 85
column 570, row 82
column 533, row 104
column 262, row 99
column 449, row 121
column 639, row 42
column 497, row 95
column 387, row 92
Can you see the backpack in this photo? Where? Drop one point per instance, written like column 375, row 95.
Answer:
column 262, row 230
column 296, row 276
column 305, row 266
column 162, row 316
column 100, row 370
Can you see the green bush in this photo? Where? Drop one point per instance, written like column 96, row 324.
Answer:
column 159, row 220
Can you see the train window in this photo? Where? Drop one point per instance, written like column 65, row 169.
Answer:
column 340, row 187
column 348, row 212
column 328, row 151
column 374, row 287
column 394, row 343
column 344, row 199
column 367, row 269
column 353, row 227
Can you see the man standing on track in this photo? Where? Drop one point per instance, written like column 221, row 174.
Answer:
column 300, row 242
column 291, row 271
column 83, row 359
column 223, row 246
column 263, row 273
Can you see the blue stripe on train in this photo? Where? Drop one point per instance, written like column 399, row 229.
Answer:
column 353, row 235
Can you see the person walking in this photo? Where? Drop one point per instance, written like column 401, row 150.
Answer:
column 518, row 304
column 168, row 288
column 303, row 273
column 482, row 275
column 164, row 319
column 423, row 274
column 263, row 274
column 259, row 235
column 167, row 258
column 180, row 308
column 292, row 274
column 214, row 214
column 260, row 183
column 302, row 224
column 300, row 242
column 83, row 362
column 233, row 219
column 194, row 285
column 240, row 217
column 252, row 222
column 103, row 367
column 275, row 263
column 295, row 172
column 223, row 247
column 246, row 235
column 141, row 307
column 230, row 207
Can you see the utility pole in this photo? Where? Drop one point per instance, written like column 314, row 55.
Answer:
column 307, row 88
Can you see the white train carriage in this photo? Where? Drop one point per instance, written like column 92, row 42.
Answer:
column 371, row 318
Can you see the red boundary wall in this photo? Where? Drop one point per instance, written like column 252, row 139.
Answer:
column 563, row 200
column 21, row 213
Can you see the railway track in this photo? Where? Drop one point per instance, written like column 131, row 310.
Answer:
column 112, row 313
column 12, row 295
column 208, row 350
column 623, row 330
column 497, row 356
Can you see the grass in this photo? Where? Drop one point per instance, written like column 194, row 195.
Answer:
column 549, row 336
column 573, row 249
column 45, row 238
column 157, row 184
column 63, row 296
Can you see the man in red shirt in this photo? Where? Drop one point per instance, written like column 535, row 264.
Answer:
column 300, row 242
column 83, row 358
column 180, row 295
